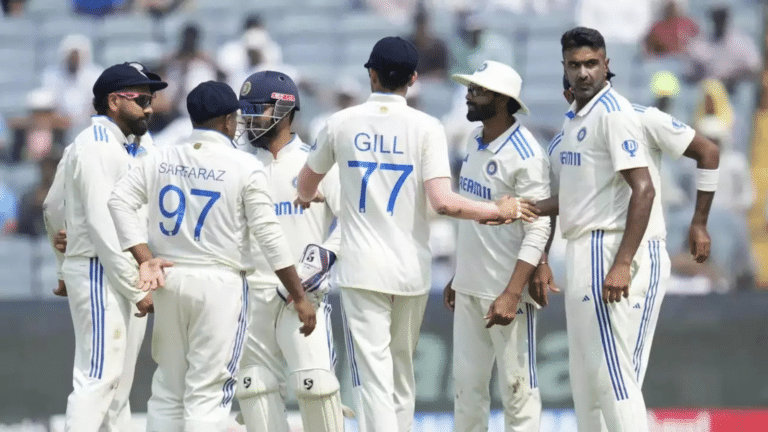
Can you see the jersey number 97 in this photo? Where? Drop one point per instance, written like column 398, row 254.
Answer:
column 179, row 211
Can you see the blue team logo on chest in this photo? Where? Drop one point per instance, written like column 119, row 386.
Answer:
column 630, row 146
column 582, row 134
column 491, row 168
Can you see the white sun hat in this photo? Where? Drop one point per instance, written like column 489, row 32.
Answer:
column 496, row 77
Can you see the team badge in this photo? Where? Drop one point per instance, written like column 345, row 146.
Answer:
column 630, row 146
column 383, row 110
column 246, row 88
column 139, row 67
column 491, row 168
column 582, row 133
column 677, row 124
column 295, row 182
column 483, row 67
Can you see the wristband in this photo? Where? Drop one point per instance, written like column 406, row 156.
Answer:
column 706, row 179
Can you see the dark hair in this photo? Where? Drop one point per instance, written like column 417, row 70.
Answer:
column 513, row 106
column 566, row 84
column 394, row 79
column 101, row 105
column 580, row 37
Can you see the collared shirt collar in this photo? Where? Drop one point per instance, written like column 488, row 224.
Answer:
column 496, row 145
column 128, row 142
column 292, row 145
column 591, row 104
column 386, row 97
column 210, row 136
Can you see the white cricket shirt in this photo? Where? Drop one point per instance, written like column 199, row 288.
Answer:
column 513, row 164
column 97, row 158
column 602, row 139
column 664, row 135
column 205, row 200
column 300, row 226
column 385, row 151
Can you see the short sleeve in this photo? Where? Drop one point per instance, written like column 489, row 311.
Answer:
column 321, row 154
column 435, row 154
column 671, row 135
column 625, row 140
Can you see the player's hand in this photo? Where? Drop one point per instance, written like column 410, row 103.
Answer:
column 319, row 198
column 152, row 275
column 145, row 306
column 306, row 311
column 60, row 241
column 512, row 209
column 61, row 290
column 449, row 296
column 699, row 241
column 503, row 309
column 542, row 281
column 616, row 283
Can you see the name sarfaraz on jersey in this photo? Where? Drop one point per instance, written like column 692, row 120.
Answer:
column 191, row 172
column 570, row 158
column 475, row 188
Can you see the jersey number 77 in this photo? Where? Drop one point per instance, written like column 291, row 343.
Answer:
column 370, row 167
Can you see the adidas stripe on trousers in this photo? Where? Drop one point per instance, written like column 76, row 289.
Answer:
column 602, row 338
column 107, row 341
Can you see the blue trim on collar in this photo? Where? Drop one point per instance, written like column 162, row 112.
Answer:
column 570, row 115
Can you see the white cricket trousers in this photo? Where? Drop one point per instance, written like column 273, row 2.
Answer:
column 653, row 279
column 476, row 348
column 382, row 331
column 107, row 341
column 602, row 337
column 200, row 322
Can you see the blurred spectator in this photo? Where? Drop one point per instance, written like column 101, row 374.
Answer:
column 665, row 87
column 71, row 79
column 619, row 21
column 671, row 34
column 8, row 210
column 156, row 8
column 715, row 102
column 234, row 57
column 477, row 44
column 41, row 131
column 30, row 219
column 257, row 43
column 14, row 8
column 433, row 54
column 730, row 55
column 97, row 8
column 347, row 93
column 187, row 67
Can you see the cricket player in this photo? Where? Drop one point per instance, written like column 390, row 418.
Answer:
column 493, row 264
column 391, row 158
column 269, row 101
column 206, row 200
column 100, row 279
column 666, row 135
column 605, row 198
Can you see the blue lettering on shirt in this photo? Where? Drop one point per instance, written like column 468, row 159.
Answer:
column 376, row 144
column 570, row 158
column 287, row 208
column 475, row 188
column 191, row 172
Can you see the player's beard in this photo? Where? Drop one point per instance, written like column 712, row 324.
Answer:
column 264, row 140
column 138, row 126
column 480, row 112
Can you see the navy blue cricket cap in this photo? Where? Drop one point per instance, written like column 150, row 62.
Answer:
column 125, row 75
column 267, row 87
column 211, row 99
column 393, row 54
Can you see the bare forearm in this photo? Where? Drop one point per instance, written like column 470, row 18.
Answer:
column 703, row 204
column 455, row 205
column 290, row 280
column 549, row 207
column 637, row 221
column 520, row 277
column 553, row 224
column 141, row 253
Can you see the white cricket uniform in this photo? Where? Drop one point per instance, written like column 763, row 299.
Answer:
column 602, row 139
column 385, row 150
column 513, row 164
column 664, row 135
column 273, row 340
column 100, row 278
column 206, row 199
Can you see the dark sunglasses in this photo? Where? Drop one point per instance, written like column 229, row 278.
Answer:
column 142, row 99
column 477, row 91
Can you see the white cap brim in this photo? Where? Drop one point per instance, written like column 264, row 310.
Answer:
column 466, row 80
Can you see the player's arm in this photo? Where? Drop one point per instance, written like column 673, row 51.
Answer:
column 707, row 156
column 53, row 217
column 629, row 156
column 446, row 202
column 320, row 160
column 129, row 194
column 96, row 186
column 531, row 181
column 263, row 224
